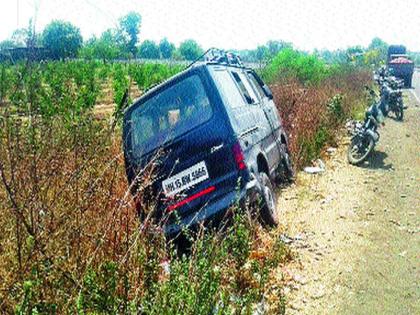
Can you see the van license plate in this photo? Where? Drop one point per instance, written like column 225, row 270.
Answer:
column 185, row 179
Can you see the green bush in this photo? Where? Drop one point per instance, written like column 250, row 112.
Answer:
column 149, row 74
column 120, row 81
column 289, row 63
column 311, row 148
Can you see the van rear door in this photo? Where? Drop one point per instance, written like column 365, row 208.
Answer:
column 182, row 125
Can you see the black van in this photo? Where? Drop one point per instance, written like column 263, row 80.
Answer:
column 218, row 137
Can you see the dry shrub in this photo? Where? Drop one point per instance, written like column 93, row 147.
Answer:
column 307, row 117
column 71, row 240
column 65, row 206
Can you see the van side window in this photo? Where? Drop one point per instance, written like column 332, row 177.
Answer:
column 256, row 84
column 233, row 99
column 229, row 89
column 245, row 88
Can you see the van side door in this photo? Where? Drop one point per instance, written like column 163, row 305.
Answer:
column 271, row 114
column 265, row 134
column 267, row 103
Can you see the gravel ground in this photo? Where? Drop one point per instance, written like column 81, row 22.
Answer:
column 356, row 230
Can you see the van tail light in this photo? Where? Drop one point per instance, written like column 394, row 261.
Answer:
column 238, row 155
column 191, row 198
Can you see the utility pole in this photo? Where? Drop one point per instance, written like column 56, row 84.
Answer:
column 17, row 14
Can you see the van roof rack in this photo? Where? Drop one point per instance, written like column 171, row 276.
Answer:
column 219, row 56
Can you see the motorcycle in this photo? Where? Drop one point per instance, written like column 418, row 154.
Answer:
column 391, row 89
column 390, row 92
column 365, row 135
column 380, row 75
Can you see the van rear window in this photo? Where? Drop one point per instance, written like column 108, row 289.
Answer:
column 170, row 113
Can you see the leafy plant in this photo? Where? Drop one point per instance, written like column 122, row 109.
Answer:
column 289, row 63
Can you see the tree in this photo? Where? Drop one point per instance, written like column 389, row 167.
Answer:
column 166, row 48
column 381, row 48
column 107, row 47
column 62, row 39
column 372, row 58
column 130, row 27
column 20, row 37
column 104, row 48
column 6, row 44
column 149, row 50
column 190, row 50
column 262, row 53
column 331, row 56
column 355, row 54
column 275, row 46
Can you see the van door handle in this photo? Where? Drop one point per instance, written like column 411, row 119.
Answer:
column 248, row 131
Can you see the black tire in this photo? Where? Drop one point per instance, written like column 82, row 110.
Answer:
column 409, row 80
column 399, row 112
column 365, row 143
column 287, row 171
column 268, row 206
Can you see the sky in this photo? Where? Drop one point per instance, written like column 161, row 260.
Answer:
column 230, row 24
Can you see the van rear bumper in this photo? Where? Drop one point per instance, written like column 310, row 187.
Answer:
column 216, row 208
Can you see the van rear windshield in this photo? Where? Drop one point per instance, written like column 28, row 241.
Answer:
column 170, row 113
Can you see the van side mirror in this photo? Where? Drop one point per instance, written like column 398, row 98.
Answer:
column 267, row 91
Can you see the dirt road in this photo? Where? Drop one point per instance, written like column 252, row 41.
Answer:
column 356, row 230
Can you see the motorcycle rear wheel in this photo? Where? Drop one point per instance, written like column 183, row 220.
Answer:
column 359, row 149
column 399, row 113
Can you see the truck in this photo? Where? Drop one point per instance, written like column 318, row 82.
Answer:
column 399, row 64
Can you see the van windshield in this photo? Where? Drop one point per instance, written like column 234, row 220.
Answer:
column 170, row 113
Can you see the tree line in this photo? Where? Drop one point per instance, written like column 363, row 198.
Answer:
column 61, row 40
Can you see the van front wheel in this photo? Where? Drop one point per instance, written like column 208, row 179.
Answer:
column 268, row 206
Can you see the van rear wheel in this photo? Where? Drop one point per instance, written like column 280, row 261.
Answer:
column 268, row 207
column 289, row 172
